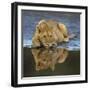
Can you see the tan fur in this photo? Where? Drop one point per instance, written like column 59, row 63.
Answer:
column 49, row 33
column 48, row 58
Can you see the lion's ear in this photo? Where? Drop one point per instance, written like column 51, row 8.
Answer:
column 43, row 25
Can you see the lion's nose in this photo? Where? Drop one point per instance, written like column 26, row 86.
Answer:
column 53, row 44
column 50, row 45
column 47, row 45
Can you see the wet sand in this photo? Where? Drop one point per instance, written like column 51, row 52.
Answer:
column 71, row 66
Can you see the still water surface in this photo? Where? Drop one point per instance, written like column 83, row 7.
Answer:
column 49, row 62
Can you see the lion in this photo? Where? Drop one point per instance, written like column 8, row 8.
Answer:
column 49, row 33
column 48, row 58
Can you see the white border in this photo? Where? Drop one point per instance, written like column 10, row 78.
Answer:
column 82, row 47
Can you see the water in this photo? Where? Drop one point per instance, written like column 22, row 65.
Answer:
column 50, row 62
column 31, row 18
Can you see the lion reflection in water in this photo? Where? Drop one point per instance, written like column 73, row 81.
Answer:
column 48, row 58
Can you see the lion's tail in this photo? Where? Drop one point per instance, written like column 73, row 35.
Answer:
column 72, row 36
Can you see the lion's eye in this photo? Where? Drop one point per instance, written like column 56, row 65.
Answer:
column 44, row 60
column 44, row 36
column 50, row 35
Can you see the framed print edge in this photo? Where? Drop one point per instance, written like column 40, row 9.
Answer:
column 14, row 43
column 86, row 52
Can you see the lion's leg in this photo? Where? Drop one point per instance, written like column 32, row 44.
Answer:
column 66, row 39
column 64, row 31
column 35, row 42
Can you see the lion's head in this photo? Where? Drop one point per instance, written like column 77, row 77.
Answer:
column 47, row 35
